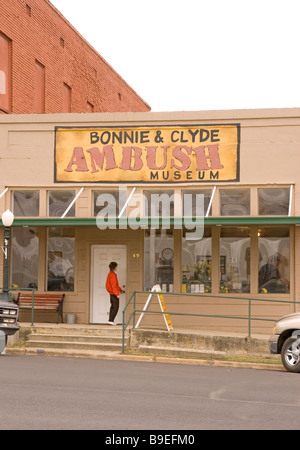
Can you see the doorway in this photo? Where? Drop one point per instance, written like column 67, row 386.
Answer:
column 101, row 256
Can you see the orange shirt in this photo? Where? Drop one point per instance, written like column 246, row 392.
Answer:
column 112, row 284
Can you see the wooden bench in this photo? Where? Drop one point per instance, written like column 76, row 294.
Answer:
column 42, row 302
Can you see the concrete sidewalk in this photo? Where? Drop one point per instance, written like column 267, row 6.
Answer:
column 180, row 346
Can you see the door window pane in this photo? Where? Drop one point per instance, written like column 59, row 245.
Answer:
column 58, row 202
column 26, row 203
column 196, row 263
column 235, row 259
column 61, row 255
column 235, row 202
column 159, row 259
column 274, row 260
column 273, row 202
column 25, row 249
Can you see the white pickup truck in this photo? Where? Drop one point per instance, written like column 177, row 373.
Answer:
column 9, row 315
column 286, row 341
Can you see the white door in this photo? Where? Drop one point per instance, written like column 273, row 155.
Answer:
column 101, row 256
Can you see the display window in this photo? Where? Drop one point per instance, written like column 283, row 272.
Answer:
column 60, row 259
column 234, row 259
column 25, row 257
column 159, row 259
column 274, row 260
column 196, row 263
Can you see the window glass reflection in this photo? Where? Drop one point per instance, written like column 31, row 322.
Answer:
column 273, row 201
column 207, row 193
column 159, row 203
column 108, row 202
column 196, row 263
column 24, row 254
column 235, row 259
column 58, row 202
column 234, row 202
column 26, row 203
column 159, row 259
column 274, row 260
column 61, row 254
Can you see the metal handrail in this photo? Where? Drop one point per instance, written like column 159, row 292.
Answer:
column 227, row 297
column 125, row 325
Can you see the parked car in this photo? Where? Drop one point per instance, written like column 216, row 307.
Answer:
column 9, row 315
column 286, row 341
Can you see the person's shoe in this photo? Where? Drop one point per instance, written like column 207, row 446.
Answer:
column 111, row 323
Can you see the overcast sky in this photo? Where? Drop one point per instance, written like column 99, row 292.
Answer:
column 186, row 55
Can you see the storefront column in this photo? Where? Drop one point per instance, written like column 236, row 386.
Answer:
column 254, row 260
column 43, row 203
column 43, row 259
column 215, row 234
column 177, row 260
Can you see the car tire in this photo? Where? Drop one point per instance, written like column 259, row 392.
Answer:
column 290, row 355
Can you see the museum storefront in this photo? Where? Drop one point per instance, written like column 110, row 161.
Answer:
column 206, row 209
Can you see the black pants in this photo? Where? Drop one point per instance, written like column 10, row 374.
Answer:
column 114, row 307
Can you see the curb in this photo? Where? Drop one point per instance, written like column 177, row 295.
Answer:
column 144, row 358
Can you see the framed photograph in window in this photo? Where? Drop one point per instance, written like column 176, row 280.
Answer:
column 222, row 264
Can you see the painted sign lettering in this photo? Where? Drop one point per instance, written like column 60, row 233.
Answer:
column 147, row 154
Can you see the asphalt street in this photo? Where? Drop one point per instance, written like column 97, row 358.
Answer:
column 73, row 393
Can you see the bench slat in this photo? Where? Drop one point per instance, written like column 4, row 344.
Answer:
column 41, row 305
column 44, row 308
column 40, row 297
column 46, row 302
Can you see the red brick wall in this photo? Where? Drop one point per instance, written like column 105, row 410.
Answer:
column 39, row 33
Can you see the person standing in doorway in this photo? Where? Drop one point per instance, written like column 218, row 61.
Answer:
column 114, row 290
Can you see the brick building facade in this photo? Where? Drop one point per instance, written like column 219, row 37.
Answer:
column 46, row 66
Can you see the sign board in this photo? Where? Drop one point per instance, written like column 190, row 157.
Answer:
column 157, row 154
column 162, row 305
column 164, row 309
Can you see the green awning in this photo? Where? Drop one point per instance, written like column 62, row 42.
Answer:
column 147, row 221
